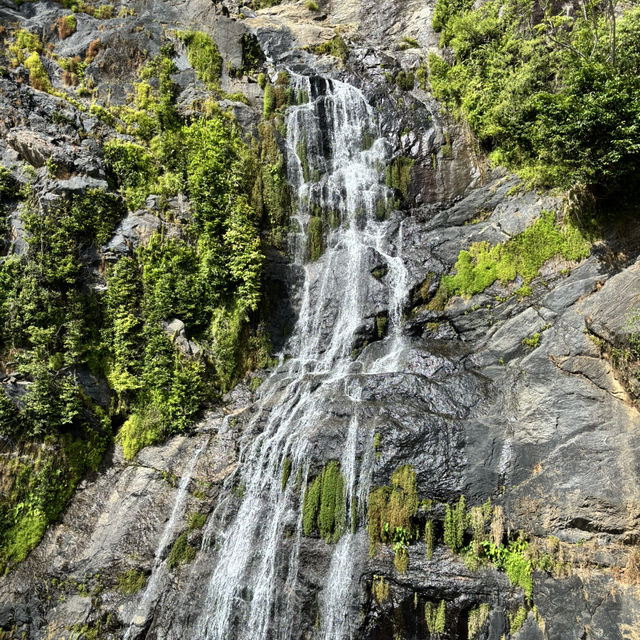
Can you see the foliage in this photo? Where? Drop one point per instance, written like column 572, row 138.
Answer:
column 56, row 329
column 523, row 255
column 514, row 560
column 477, row 617
column 286, row 472
column 181, row 552
column 269, row 100
column 334, row 47
column 398, row 174
column 455, row 525
column 405, row 80
column 550, row 95
column 323, row 504
column 38, row 76
column 196, row 520
column 435, row 617
column 517, row 619
column 316, row 237
column 390, row 512
column 66, row 25
column 531, row 342
column 131, row 582
column 203, row 56
column 380, row 589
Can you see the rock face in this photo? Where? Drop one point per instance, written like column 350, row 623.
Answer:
column 521, row 401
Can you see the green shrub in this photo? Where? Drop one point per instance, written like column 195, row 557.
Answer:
column 554, row 102
column 455, row 525
column 131, row 582
column 181, row 552
column 435, row 617
column 323, row 504
column 203, row 56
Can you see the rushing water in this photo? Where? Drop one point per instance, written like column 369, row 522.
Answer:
column 336, row 160
column 158, row 570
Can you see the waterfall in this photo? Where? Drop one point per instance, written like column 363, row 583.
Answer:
column 335, row 163
column 158, row 569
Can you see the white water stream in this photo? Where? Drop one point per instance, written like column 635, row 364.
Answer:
column 336, row 161
column 159, row 570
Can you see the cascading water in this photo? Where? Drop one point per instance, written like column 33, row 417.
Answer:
column 158, row 570
column 336, row 160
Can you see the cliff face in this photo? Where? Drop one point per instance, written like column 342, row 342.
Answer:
column 317, row 501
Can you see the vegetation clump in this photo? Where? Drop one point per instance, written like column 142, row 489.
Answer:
column 335, row 47
column 324, row 504
column 477, row 617
column 391, row 510
column 181, row 552
column 547, row 93
column 131, row 582
column 203, row 56
column 481, row 265
column 435, row 617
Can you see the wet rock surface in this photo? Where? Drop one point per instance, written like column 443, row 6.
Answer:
column 550, row 433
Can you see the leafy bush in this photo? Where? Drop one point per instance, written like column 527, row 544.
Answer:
column 203, row 56
column 554, row 100
column 323, row 505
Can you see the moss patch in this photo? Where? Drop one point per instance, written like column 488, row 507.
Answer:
column 481, row 265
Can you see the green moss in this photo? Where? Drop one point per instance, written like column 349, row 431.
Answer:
column 377, row 445
column 405, row 80
column 131, row 582
column 140, row 429
column 104, row 12
column 324, row 506
column 301, row 152
column 269, row 100
column 315, row 238
column 481, row 265
column 398, row 174
column 286, row 472
column 181, row 552
column 196, row 520
column 334, row 47
column 38, row 77
column 435, row 617
column 381, row 325
column 477, row 617
column 203, row 56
